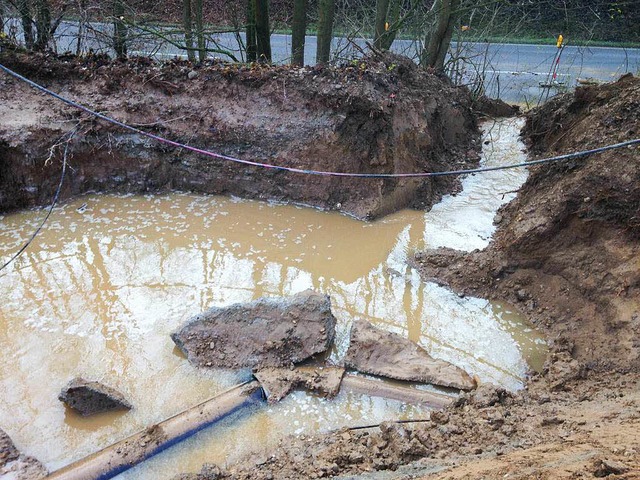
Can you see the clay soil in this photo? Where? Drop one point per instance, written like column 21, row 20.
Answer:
column 566, row 251
column 567, row 254
column 381, row 115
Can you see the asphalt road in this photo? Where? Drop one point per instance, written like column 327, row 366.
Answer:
column 508, row 71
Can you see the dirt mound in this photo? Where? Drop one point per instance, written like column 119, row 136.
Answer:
column 567, row 248
column 268, row 332
column 487, row 435
column 381, row 115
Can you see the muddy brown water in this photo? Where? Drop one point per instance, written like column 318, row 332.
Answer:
column 98, row 292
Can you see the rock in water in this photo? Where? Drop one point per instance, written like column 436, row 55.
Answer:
column 268, row 332
column 277, row 383
column 387, row 354
column 88, row 398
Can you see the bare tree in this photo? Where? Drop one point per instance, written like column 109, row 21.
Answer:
column 381, row 26
column 263, row 33
column 199, row 21
column 439, row 38
column 326, row 12
column 298, row 31
column 252, row 47
column 24, row 8
column 119, row 29
column 187, row 25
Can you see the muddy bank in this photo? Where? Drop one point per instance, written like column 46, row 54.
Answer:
column 566, row 253
column 566, row 250
column 491, row 434
column 382, row 115
column 16, row 465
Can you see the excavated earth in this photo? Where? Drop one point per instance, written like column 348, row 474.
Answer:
column 380, row 115
column 567, row 253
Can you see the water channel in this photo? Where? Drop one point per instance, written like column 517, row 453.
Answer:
column 98, row 292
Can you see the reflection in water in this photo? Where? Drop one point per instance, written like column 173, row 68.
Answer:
column 99, row 291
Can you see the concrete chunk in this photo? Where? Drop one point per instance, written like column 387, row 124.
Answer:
column 268, row 332
column 387, row 354
column 277, row 383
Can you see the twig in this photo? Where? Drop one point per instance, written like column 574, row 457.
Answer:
column 55, row 198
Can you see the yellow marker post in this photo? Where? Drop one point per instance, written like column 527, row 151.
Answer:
column 560, row 40
column 386, row 26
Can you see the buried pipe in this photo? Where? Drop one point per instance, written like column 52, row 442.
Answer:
column 406, row 394
column 125, row 454
column 121, row 456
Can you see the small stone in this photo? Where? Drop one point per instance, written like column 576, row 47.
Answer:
column 89, row 398
column 192, row 74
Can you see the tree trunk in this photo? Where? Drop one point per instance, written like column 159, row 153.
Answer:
column 43, row 25
column 187, row 25
column 263, row 34
column 393, row 19
column 252, row 48
column 382, row 8
column 326, row 12
column 298, row 31
column 202, row 46
column 27, row 23
column 119, row 29
column 438, row 40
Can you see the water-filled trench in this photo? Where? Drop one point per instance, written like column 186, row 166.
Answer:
column 110, row 277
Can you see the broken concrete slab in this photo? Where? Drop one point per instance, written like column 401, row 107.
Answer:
column 15, row 465
column 387, row 354
column 88, row 398
column 268, row 332
column 277, row 383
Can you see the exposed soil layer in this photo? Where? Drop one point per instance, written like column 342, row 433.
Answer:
column 567, row 253
column 381, row 115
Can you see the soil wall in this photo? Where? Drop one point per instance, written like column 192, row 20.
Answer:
column 382, row 115
column 567, row 249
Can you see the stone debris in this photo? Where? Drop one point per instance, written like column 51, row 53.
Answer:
column 387, row 354
column 14, row 465
column 89, row 398
column 277, row 383
column 268, row 332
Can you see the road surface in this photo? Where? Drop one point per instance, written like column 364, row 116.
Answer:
column 511, row 72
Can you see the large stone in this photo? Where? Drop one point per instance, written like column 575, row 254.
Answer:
column 88, row 398
column 268, row 332
column 277, row 383
column 387, row 354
